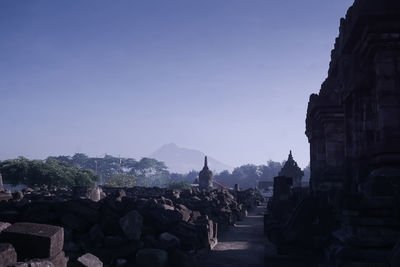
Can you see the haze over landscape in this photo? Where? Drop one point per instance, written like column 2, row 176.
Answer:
column 228, row 78
column 160, row 133
column 183, row 160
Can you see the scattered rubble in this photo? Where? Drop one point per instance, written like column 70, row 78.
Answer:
column 119, row 226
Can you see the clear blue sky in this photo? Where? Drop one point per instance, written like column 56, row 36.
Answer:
column 228, row 77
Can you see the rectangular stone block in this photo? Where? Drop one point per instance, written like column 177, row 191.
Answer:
column 32, row 240
column 7, row 254
column 5, row 196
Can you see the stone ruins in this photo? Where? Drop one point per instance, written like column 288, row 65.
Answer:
column 348, row 216
column 125, row 227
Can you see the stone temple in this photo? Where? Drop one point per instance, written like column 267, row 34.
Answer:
column 353, row 126
column 351, row 214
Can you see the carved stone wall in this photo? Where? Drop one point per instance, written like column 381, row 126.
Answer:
column 353, row 124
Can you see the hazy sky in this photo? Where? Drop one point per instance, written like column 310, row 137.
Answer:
column 231, row 78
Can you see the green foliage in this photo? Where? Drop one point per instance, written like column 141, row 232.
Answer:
column 50, row 172
column 248, row 176
column 151, row 172
column 148, row 171
column 101, row 166
column 121, row 180
column 122, row 172
column 181, row 185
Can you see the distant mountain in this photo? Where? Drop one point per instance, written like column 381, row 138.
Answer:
column 183, row 160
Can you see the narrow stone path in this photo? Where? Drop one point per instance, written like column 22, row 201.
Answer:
column 243, row 245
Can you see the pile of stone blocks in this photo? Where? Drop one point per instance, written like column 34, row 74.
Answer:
column 115, row 224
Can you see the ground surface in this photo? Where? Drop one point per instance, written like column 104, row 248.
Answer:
column 245, row 245
column 242, row 245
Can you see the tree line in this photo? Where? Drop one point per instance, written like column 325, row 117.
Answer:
column 117, row 171
column 82, row 170
column 49, row 172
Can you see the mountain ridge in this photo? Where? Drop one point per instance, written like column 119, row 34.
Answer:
column 183, row 160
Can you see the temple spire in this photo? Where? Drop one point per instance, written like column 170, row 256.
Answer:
column 291, row 169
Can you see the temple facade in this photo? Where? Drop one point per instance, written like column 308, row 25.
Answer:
column 353, row 124
column 353, row 127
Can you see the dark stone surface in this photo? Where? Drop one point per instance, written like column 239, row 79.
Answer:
column 395, row 255
column 282, row 187
column 75, row 222
column 164, row 217
column 131, row 224
column 151, row 258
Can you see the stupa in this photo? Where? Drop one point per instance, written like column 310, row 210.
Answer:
column 205, row 177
